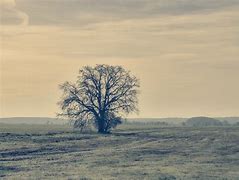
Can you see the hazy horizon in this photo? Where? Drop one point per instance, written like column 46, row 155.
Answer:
column 54, row 120
column 184, row 52
column 132, row 117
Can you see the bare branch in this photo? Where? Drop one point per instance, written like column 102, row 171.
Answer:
column 100, row 94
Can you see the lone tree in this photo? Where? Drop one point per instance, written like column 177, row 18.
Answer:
column 100, row 96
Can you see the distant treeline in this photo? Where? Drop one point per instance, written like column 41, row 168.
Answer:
column 205, row 121
column 158, row 123
column 191, row 122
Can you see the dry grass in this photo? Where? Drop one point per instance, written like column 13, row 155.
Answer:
column 131, row 152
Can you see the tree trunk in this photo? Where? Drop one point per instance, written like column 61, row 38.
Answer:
column 101, row 126
column 101, row 123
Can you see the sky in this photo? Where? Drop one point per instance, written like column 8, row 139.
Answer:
column 185, row 52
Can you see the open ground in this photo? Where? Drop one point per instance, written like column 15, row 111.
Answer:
column 133, row 151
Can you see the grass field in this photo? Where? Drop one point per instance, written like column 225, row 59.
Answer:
column 130, row 152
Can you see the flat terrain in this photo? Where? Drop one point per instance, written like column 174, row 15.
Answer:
column 130, row 152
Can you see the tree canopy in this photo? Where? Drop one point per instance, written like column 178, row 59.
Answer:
column 101, row 96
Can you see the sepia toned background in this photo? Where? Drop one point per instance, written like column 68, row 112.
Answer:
column 185, row 52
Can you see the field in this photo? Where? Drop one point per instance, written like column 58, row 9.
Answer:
column 132, row 151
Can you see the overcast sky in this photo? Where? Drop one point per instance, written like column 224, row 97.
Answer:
column 186, row 52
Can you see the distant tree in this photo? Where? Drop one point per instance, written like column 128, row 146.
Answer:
column 203, row 121
column 100, row 96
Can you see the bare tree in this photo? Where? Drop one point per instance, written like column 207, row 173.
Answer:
column 100, row 96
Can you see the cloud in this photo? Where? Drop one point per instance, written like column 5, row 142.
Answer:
column 10, row 15
column 184, row 51
column 84, row 12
